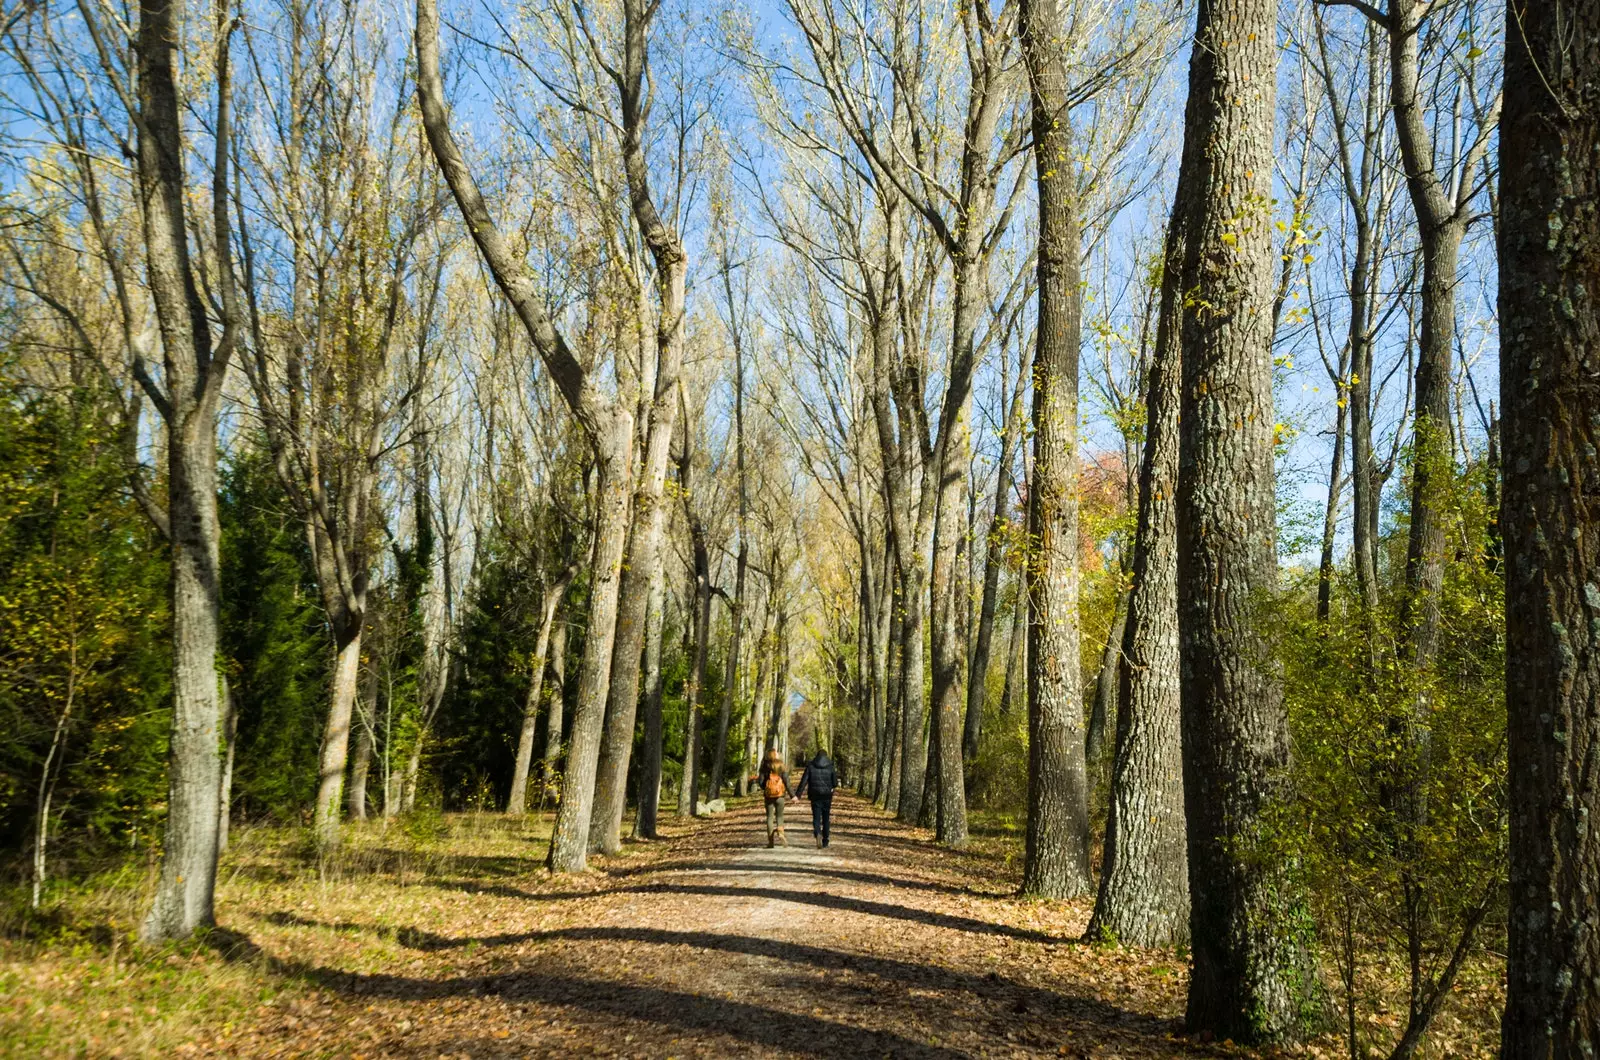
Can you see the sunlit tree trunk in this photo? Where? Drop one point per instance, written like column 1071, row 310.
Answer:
column 1549, row 242
column 1253, row 978
column 192, row 376
column 1056, row 862
column 1144, row 878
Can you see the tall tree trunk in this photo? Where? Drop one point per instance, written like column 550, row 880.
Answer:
column 336, row 730
column 689, row 783
column 50, row 774
column 951, row 461
column 569, row 844
column 1549, row 242
column 644, row 545
column 193, row 375
column 895, row 681
column 1056, row 862
column 1144, row 878
column 1015, row 683
column 1441, row 225
column 731, row 678
column 1330, row 514
column 644, row 825
column 1253, row 978
column 994, row 560
column 517, row 803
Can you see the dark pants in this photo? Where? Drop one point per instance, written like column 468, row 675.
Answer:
column 821, row 807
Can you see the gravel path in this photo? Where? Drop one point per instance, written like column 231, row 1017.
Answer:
column 708, row 944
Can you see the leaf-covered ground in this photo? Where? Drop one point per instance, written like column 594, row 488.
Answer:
column 703, row 944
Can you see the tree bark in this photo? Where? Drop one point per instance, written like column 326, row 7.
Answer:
column 1144, row 878
column 1056, row 861
column 1549, row 242
column 361, row 764
column 230, row 742
column 569, row 844
column 1253, row 978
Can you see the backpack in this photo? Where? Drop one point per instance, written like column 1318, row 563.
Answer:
column 774, row 788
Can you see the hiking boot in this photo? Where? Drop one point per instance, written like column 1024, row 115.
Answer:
column 772, row 839
column 782, row 841
column 820, row 843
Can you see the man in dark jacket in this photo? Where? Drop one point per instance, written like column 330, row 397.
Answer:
column 818, row 782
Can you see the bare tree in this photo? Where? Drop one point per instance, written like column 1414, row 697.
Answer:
column 607, row 423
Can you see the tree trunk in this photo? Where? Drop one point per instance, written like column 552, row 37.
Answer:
column 1105, row 686
column 569, row 844
column 336, row 731
column 895, row 685
column 360, row 765
column 230, row 741
column 1549, row 242
column 48, row 777
column 1253, row 978
column 689, row 783
column 608, row 426
column 558, row 701
column 994, row 559
column 1015, row 683
column 517, row 803
column 1330, row 514
column 1056, row 862
column 1144, row 877
column 193, row 374
column 731, row 679
column 951, row 461
column 644, row 825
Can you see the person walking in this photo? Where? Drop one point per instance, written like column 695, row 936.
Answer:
column 774, row 784
column 818, row 781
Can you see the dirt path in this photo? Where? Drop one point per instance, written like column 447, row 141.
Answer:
column 709, row 944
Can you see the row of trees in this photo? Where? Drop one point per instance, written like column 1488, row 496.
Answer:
column 624, row 311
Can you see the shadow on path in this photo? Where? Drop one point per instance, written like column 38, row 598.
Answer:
column 773, row 1028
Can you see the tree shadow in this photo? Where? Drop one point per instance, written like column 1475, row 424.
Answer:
column 772, row 1028
column 845, row 875
column 1086, row 1013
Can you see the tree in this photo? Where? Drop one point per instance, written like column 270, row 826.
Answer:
column 339, row 183
column 608, row 425
column 1057, row 854
column 194, row 363
column 1549, row 242
column 1144, row 886
column 1253, row 979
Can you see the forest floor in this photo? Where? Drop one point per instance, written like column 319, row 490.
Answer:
column 704, row 943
